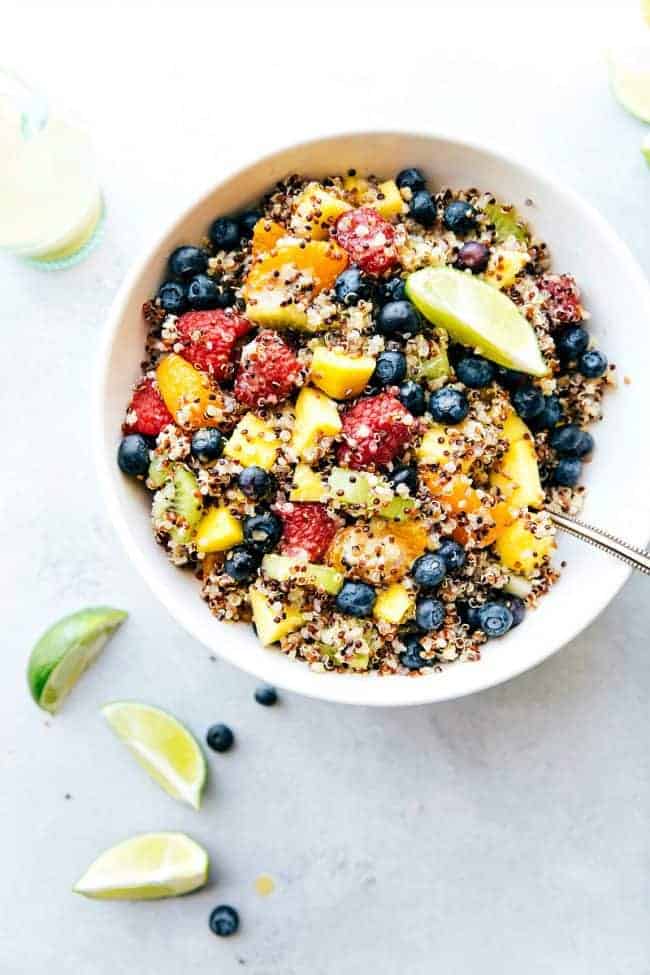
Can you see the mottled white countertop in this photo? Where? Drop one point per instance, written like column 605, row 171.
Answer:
column 506, row 833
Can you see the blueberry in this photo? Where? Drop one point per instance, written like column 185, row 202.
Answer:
column 202, row 292
column 185, row 262
column 528, row 402
column 495, row 619
column 473, row 256
column 133, row 455
column 392, row 290
column 207, row 445
column 412, row 396
column 266, row 695
column 411, row 179
column 423, row 208
column 448, row 405
column 224, row 234
column 351, row 286
column 468, row 615
column 572, row 342
column 452, row 553
column 356, row 599
column 390, row 369
column 405, row 475
column 550, row 415
column 459, row 217
column 262, row 532
column 226, row 297
column 516, row 606
column 256, row 483
column 398, row 317
column 242, row 563
column 567, row 473
column 571, row 441
column 220, row 738
column 592, row 364
column 429, row 614
column 247, row 222
column 412, row 658
column 172, row 297
column 475, row 371
column 510, row 379
column 429, row 570
column 224, row 920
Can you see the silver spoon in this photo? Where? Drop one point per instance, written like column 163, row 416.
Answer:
column 636, row 557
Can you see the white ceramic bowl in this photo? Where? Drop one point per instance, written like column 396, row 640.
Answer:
column 617, row 295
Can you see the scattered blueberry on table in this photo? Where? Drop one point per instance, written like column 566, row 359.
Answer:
column 224, row 921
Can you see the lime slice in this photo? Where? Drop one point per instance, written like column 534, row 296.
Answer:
column 645, row 11
column 146, row 867
column 66, row 650
column 478, row 315
column 163, row 746
column 645, row 148
column 629, row 73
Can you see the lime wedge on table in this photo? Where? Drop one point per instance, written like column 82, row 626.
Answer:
column 478, row 315
column 645, row 148
column 66, row 650
column 163, row 746
column 146, row 867
column 629, row 73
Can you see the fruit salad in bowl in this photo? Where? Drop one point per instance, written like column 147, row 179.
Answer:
column 359, row 399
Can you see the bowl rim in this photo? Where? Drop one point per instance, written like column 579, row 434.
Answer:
column 355, row 689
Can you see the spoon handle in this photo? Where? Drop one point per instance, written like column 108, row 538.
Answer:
column 636, row 557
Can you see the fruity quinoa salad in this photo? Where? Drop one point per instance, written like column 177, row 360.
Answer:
column 357, row 406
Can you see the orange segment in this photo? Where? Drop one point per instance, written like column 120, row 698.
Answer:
column 456, row 493
column 266, row 234
column 501, row 515
column 322, row 260
column 188, row 394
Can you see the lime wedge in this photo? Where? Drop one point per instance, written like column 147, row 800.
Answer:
column 478, row 315
column 629, row 73
column 163, row 746
column 66, row 650
column 645, row 148
column 645, row 11
column 146, row 867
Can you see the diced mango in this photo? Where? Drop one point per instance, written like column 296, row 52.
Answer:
column 517, row 477
column 520, row 550
column 356, row 185
column 322, row 260
column 253, row 443
column 266, row 234
column 435, row 447
column 514, row 428
column 316, row 417
column 218, row 531
column 188, row 394
column 504, row 266
column 394, row 604
column 315, row 211
column 392, row 203
column 340, row 374
column 308, row 485
column 271, row 626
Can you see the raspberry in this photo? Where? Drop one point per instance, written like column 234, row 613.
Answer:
column 268, row 371
column 208, row 339
column 563, row 301
column 375, row 430
column 151, row 414
column 307, row 529
column 368, row 239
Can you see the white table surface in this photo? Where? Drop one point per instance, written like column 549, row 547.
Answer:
column 504, row 833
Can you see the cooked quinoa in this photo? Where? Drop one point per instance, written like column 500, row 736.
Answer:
column 247, row 289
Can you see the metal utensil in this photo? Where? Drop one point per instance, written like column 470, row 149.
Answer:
column 636, row 557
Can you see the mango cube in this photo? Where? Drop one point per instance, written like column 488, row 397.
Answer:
column 392, row 204
column 504, row 266
column 272, row 625
column 253, row 443
column 315, row 211
column 357, row 186
column 435, row 447
column 394, row 604
column 218, row 531
column 520, row 550
column 308, row 485
column 340, row 374
column 518, row 476
column 515, row 429
column 316, row 417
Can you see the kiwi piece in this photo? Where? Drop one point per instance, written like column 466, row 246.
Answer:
column 179, row 496
column 160, row 471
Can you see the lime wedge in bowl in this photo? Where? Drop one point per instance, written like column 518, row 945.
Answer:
column 163, row 746
column 629, row 74
column 478, row 315
column 146, row 867
column 66, row 650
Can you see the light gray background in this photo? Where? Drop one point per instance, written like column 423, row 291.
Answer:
column 503, row 833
